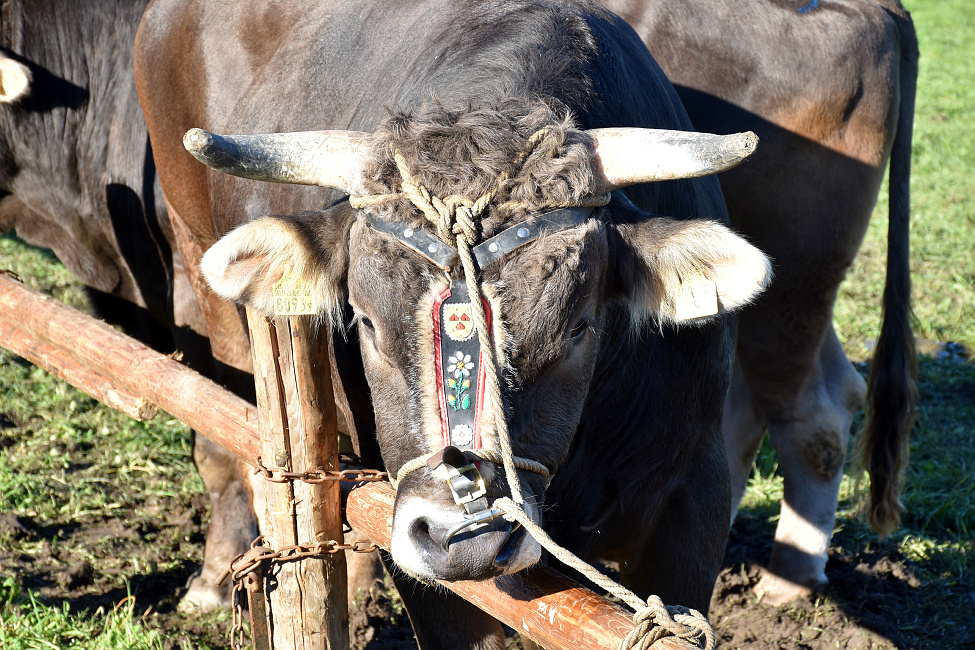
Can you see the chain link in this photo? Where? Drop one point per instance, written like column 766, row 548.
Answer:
column 248, row 562
column 318, row 476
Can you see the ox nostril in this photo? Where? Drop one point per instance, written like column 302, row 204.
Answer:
column 424, row 538
column 508, row 549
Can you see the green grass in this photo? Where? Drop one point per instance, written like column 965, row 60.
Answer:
column 68, row 461
column 942, row 191
column 28, row 623
column 41, row 270
column 65, row 459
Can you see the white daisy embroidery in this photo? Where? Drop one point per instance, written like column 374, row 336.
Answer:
column 460, row 365
column 462, row 435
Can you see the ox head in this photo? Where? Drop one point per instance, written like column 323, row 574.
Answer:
column 552, row 284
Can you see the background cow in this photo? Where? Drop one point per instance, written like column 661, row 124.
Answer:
column 77, row 176
column 596, row 372
column 76, row 171
column 829, row 89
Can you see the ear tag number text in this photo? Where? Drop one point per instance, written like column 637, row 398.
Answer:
column 292, row 297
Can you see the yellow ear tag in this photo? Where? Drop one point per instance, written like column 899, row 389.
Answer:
column 292, row 297
column 696, row 298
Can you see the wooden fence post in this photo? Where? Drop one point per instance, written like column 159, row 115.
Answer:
column 308, row 607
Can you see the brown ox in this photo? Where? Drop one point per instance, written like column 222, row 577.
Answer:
column 601, row 376
column 829, row 88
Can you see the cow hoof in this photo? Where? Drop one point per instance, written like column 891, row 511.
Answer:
column 201, row 597
column 773, row 590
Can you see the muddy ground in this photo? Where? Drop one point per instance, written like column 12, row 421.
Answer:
column 869, row 603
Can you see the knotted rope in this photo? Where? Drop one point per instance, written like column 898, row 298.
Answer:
column 456, row 219
column 482, row 454
column 653, row 619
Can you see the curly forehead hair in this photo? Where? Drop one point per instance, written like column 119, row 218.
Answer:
column 465, row 151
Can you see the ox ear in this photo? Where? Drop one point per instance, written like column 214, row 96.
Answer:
column 687, row 271
column 304, row 255
column 15, row 78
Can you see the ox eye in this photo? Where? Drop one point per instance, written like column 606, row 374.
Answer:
column 579, row 330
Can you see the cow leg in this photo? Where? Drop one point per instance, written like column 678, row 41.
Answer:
column 441, row 619
column 743, row 429
column 232, row 524
column 810, row 446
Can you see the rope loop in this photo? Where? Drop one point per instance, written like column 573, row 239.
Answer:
column 657, row 621
column 489, row 455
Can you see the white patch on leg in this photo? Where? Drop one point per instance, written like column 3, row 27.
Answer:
column 803, row 535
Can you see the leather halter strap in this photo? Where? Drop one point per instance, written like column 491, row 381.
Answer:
column 440, row 253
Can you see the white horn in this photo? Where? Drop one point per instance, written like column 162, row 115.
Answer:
column 627, row 156
column 327, row 158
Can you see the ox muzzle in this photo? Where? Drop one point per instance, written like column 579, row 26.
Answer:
column 445, row 527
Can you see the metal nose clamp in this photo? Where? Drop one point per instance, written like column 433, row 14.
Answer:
column 469, row 520
column 468, row 489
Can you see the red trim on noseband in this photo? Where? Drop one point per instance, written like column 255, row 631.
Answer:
column 438, row 367
column 438, row 364
column 480, row 385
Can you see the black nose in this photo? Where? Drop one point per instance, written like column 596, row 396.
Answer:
column 470, row 555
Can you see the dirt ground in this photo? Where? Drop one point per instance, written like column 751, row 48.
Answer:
column 869, row 597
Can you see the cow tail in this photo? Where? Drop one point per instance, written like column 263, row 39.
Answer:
column 883, row 442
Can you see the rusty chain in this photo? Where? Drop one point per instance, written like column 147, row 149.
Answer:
column 247, row 563
column 318, row 476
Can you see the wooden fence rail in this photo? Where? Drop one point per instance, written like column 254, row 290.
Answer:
column 125, row 374
column 119, row 361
